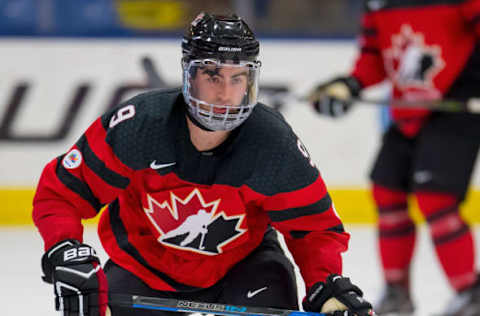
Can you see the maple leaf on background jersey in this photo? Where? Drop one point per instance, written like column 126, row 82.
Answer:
column 411, row 63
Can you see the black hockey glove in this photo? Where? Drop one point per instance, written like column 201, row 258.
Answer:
column 337, row 296
column 80, row 286
column 334, row 98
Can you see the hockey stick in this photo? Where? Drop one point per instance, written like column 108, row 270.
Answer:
column 173, row 305
column 471, row 105
column 154, row 80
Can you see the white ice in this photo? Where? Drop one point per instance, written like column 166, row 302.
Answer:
column 22, row 292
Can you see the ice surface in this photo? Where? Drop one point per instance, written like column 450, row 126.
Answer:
column 22, row 292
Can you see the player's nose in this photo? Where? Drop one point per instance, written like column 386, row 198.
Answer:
column 225, row 94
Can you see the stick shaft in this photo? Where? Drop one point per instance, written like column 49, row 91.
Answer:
column 154, row 79
column 167, row 304
column 471, row 105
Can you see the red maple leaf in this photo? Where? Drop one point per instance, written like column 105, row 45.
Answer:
column 168, row 215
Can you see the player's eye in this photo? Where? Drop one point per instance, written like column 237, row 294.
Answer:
column 214, row 79
column 237, row 80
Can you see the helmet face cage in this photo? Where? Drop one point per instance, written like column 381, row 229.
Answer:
column 214, row 76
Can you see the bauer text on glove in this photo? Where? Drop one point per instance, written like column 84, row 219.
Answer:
column 80, row 286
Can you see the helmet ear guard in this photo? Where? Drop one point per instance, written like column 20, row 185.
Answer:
column 223, row 42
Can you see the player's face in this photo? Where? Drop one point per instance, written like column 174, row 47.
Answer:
column 220, row 94
column 225, row 85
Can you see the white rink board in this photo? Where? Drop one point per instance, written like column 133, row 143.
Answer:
column 343, row 149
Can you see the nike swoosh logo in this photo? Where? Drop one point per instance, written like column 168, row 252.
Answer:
column 422, row 176
column 251, row 294
column 154, row 165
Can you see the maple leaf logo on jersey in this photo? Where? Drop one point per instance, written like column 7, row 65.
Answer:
column 192, row 223
column 411, row 63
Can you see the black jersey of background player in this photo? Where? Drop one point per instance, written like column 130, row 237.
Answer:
column 179, row 218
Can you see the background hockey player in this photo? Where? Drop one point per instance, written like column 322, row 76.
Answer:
column 167, row 156
column 428, row 50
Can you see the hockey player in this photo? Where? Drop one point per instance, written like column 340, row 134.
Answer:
column 194, row 179
column 428, row 50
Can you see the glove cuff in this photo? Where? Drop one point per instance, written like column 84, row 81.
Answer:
column 353, row 85
column 317, row 295
column 338, row 287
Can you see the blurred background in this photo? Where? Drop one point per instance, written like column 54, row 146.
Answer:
column 279, row 18
column 64, row 62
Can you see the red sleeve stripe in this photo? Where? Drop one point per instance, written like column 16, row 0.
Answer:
column 288, row 200
column 98, row 166
column 76, row 185
column 316, row 208
column 337, row 229
column 96, row 138
column 299, row 234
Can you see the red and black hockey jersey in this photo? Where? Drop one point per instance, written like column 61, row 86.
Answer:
column 428, row 49
column 178, row 218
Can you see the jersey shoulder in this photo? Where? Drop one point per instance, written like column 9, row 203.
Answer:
column 138, row 127
column 268, row 125
column 283, row 163
column 153, row 104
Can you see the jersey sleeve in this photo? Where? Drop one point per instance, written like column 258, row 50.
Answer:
column 471, row 12
column 306, row 217
column 368, row 66
column 77, row 184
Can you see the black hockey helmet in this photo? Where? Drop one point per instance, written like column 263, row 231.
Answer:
column 219, row 37
column 224, row 43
